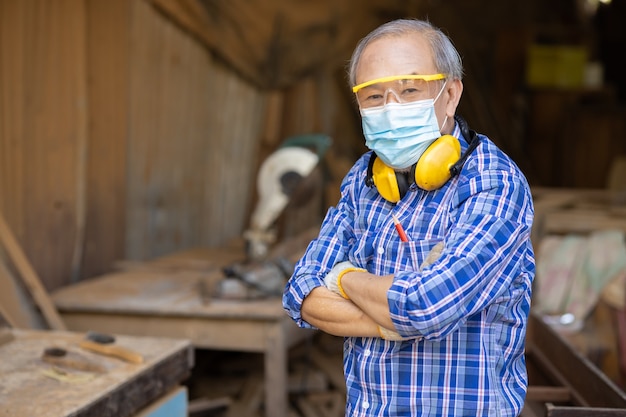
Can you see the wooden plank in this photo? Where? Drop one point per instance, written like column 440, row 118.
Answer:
column 6, row 318
column 12, row 301
column 81, row 147
column 29, row 277
column 199, row 406
column 548, row 394
column 588, row 386
column 108, row 58
column 561, row 411
column 205, row 332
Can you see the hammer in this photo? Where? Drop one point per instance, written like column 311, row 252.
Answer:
column 104, row 344
column 61, row 357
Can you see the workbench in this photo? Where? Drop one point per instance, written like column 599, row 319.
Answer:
column 160, row 299
column 29, row 386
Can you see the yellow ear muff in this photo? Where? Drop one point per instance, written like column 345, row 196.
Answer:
column 433, row 168
column 385, row 180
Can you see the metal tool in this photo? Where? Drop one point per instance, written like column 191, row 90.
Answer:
column 257, row 279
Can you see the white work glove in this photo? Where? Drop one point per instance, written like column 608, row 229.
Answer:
column 333, row 278
column 388, row 334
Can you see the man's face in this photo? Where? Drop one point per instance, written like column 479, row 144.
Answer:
column 402, row 55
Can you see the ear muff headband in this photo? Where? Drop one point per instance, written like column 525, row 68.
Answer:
column 441, row 161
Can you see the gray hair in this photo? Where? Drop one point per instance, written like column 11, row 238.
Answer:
column 447, row 58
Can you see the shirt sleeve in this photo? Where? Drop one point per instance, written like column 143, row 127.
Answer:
column 483, row 262
column 329, row 248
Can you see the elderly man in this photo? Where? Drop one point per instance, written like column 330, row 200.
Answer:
column 425, row 265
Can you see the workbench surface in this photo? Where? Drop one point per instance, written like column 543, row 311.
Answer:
column 171, row 297
column 154, row 292
column 31, row 387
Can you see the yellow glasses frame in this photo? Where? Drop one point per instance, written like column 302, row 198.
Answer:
column 430, row 77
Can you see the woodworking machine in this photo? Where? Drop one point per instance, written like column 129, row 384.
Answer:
column 280, row 174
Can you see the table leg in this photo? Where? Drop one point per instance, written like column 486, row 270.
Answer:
column 276, row 372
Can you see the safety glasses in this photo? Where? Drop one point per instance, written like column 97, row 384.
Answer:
column 405, row 88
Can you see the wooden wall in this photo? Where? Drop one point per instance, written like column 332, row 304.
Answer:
column 43, row 128
column 120, row 137
column 193, row 139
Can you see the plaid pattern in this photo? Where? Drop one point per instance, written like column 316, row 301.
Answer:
column 467, row 311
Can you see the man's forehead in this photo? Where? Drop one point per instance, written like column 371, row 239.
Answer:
column 395, row 55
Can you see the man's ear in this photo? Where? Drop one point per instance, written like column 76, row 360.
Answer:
column 454, row 90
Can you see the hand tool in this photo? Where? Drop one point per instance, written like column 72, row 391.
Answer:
column 104, row 344
column 61, row 357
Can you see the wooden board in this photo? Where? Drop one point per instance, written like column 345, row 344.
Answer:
column 29, row 389
column 29, row 276
column 552, row 361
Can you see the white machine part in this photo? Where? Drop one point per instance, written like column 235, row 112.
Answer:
column 278, row 176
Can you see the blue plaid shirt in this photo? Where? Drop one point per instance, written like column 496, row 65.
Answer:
column 467, row 312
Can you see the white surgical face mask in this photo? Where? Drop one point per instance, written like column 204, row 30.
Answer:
column 399, row 133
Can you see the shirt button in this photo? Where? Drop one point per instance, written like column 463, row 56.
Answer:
column 365, row 405
column 367, row 352
column 380, row 250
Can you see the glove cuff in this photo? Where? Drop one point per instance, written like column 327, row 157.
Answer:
column 387, row 334
column 341, row 274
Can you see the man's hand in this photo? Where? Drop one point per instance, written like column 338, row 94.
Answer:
column 333, row 278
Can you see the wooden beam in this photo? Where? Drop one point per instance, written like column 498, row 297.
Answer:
column 29, row 277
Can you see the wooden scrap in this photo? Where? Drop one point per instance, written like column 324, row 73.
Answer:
column 565, row 411
column 5, row 317
column 29, row 276
column 548, row 394
column 12, row 307
column 65, row 376
column 199, row 406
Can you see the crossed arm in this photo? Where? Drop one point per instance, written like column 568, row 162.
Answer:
column 366, row 309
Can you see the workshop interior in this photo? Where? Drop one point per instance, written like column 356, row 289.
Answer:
column 164, row 164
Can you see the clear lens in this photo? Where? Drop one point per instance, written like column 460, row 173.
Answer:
column 402, row 91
